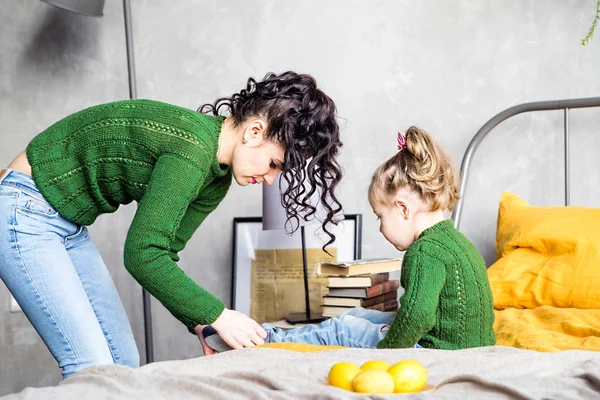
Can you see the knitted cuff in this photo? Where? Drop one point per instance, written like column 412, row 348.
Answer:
column 211, row 316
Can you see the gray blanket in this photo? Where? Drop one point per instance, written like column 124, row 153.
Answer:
column 483, row 373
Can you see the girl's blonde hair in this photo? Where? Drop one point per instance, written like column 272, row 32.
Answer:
column 421, row 166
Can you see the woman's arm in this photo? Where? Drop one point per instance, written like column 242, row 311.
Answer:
column 164, row 221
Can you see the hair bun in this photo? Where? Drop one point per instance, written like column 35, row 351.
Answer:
column 419, row 144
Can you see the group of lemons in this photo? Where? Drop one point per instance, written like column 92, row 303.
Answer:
column 377, row 376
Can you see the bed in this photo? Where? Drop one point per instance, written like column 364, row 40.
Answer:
column 547, row 302
column 271, row 373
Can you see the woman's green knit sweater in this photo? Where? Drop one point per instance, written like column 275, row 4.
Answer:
column 159, row 155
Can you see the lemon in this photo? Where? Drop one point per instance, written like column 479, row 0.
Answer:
column 409, row 376
column 373, row 381
column 341, row 375
column 375, row 364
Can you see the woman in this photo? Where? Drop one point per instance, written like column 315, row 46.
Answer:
column 177, row 164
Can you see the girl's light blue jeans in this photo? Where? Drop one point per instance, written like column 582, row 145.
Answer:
column 356, row 327
column 56, row 274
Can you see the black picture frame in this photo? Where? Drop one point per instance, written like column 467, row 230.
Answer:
column 239, row 222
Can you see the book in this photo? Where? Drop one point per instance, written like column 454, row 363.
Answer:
column 391, row 305
column 358, row 280
column 333, row 311
column 359, row 302
column 365, row 292
column 361, row 267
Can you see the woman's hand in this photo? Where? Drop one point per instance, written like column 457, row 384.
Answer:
column 238, row 330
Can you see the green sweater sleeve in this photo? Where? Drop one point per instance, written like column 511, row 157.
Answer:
column 423, row 278
column 160, row 228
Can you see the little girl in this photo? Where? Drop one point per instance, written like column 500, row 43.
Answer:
column 447, row 303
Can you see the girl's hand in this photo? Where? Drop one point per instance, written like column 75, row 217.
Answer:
column 238, row 330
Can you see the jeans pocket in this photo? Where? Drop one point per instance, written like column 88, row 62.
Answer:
column 35, row 205
column 8, row 202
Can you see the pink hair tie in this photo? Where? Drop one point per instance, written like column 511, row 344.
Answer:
column 401, row 141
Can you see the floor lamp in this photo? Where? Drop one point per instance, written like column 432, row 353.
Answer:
column 274, row 217
column 94, row 8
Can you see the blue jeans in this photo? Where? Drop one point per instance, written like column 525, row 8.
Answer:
column 356, row 327
column 56, row 274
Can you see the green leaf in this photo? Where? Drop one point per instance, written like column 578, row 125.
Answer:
column 586, row 39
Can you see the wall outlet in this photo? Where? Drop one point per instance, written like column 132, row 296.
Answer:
column 14, row 306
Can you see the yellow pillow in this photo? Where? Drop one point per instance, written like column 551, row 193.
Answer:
column 548, row 328
column 546, row 256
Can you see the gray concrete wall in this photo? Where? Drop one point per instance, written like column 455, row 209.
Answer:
column 447, row 66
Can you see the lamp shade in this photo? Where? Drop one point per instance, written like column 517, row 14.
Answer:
column 274, row 215
column 91, row 8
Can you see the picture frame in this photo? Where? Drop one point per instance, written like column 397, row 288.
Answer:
column 248, row 236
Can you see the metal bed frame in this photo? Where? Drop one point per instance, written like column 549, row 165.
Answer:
column 564, row 105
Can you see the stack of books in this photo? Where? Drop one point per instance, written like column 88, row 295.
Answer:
column 360, row 283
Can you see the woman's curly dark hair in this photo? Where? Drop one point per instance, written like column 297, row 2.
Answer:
column 301, row 118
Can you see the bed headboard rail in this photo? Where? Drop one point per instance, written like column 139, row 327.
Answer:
column 564, row 105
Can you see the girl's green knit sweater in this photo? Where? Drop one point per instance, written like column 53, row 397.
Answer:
column 447, row 303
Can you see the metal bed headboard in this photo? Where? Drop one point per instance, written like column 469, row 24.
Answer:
column 510, row 112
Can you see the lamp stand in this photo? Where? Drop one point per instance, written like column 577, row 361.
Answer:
column 305, row 317
column 148, row 338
